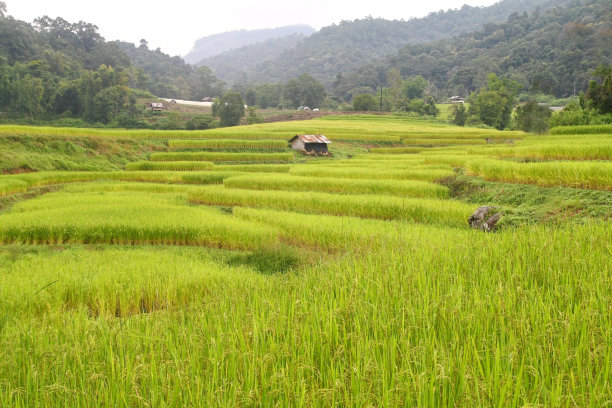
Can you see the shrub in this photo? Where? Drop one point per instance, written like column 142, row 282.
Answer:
column 365, row 102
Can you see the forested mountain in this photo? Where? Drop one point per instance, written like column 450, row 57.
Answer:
column 172, row 77
column 231, row 65
column 218, row 43
column 350, row 44
column 551, row 52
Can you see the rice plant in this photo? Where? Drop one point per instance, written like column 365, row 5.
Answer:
column 430, row 317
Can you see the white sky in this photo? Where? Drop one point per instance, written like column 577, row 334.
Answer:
column 174, row 25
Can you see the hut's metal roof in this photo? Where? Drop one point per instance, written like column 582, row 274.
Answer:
column 311, row 139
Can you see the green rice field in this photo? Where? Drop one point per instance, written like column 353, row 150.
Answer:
column 205, row 271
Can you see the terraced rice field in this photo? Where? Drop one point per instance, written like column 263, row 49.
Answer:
column 207, row 278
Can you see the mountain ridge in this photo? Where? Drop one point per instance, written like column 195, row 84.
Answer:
column 348, row 45
column 216, row 44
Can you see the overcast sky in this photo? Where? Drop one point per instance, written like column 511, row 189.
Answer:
column 174, row 25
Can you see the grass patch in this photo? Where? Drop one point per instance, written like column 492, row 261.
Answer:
column 269, row 261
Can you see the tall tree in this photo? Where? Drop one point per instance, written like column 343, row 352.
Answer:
column 306, row 91
column 230, row 109
column 599, row 94
column 494, row 103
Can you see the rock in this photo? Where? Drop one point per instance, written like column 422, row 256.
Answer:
column 484, row 218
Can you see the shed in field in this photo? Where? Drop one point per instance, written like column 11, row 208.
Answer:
column 310, row 143
column 157, row 106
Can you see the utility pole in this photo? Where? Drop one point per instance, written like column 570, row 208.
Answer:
column 380, row 109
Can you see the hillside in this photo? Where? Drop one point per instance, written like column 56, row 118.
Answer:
column 350, row 44
column 218, row 43
column 232, row 65
column 552, row 52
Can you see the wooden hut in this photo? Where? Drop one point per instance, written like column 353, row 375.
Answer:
column 310, row 143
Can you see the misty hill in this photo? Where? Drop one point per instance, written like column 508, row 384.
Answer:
column 231, row 65
column 350, row 44
column 216, row 44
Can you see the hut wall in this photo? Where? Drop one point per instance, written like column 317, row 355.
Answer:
column 297, row 144
column 316, row 147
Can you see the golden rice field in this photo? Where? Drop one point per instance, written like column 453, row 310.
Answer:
column 216, row 274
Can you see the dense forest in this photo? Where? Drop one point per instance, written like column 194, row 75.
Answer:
column 348, row 45
column 53, row 68
column 552, row 52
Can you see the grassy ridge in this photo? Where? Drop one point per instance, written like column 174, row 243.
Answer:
column 14, row 184
column 445, row 212
column 126, row 218
column 595, row 149
column 253, row 168
column 590, row 175
column 407, row 188
column 226, row 143
column 222, row 157
column 581, row 130
column 329, row 232
column 443, row 142
column 365, row 173
column 118, row 282
column 169, row 166
column 17, row 130
column 395, row 150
